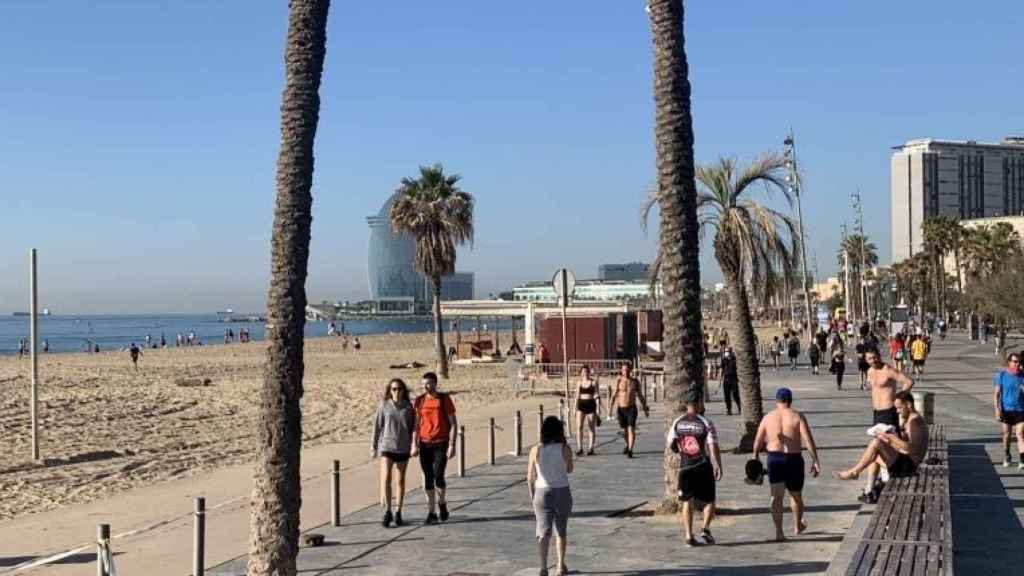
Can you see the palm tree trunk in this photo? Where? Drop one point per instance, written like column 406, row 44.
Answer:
column 678, row 230
column 747, row 368
column 442, row 352
column 276, row 493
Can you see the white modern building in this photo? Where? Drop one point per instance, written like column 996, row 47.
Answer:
column 961, row 179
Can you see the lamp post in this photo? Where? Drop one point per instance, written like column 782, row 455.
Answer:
column 859, row 207
column 846, row 272
column 793, row 179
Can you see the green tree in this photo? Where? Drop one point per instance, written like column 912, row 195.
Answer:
column 277, row 491
column 757, row 248
column 678, row 241
column 860, row 249
column 439, row 216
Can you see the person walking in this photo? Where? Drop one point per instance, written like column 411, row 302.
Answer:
column 838, row 366
column 392, row 442
column 730, row 381
column 862, row 364
column 918, row 354
column 783, row 434
column 134, row 352
column 897, row 351
column 588, row 410
column 776, row 351
column 547, row 480
column 692, row 435
column 623, row 399
column 794, row 350
column 814, row 356
column 434, row 442
column 1008, row 400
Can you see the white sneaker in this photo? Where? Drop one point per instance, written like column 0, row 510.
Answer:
column 1020, row 466
column 1007, row 462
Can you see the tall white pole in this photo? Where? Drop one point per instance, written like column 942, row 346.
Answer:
column 34, row 336
column 797, row 187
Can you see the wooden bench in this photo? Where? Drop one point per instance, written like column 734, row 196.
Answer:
column 911, row 531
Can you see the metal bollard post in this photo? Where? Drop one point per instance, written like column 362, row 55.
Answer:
column 336, row 494
column 540, row 421
column 518, row 434
column 561, row 410
column 490, row 444
column 199, row 539
column 462, row 451
column 102, row 543
column 655, row 390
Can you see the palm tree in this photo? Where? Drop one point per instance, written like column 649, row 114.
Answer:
column 276, row 493
column 752, row 243
column 985, row 247
column 678, row 248
column 860, row 250
column 439, row 215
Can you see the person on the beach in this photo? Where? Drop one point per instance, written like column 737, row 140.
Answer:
column 783, row 434
column 693, row 437
column 623, row 400
column 588, row 410
column 344, row 343
column 392, row 443
column 547, row 480
column 179, row 340
column 1008, row 400
column 149, row 340
column 95, row 348
column 900, row 453
column 22, row 347
column 730, row 381
column 355, row 343
column 918, row 353
column 46, row 346
column 163, row 340
column 434, row 442
column 134, row 352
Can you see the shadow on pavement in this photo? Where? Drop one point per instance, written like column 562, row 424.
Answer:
column 790, row 568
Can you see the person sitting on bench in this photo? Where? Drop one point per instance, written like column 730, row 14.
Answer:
column 901, row 454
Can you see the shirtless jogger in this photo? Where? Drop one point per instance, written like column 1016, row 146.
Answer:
column 783, row 433
column 623, row 400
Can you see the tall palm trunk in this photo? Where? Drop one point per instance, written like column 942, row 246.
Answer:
column 442, row 352
column 677, row 234
column 276, row 492
column 744, row 345
column 935, row 284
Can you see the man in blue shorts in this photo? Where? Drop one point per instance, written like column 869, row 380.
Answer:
column 1009, row 405
column 783, row 433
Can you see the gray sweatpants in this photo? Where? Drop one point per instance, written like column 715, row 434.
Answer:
column 552, row 506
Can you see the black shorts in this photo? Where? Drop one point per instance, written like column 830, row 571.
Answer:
column 1012, row 417
column 627, row 417
column 863, row 366
column 396, row 457
column 918, row 363
column 786, row 468
column 903, row 466
column 433, row 461
column 586, row 406
column 697, row 482
column 890, row 417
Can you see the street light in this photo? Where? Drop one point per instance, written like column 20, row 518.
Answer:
column 859, row 207
column 793, row 180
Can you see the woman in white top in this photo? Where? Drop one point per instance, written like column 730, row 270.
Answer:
column 547, row 477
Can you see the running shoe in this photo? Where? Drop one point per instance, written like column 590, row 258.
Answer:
column 629, row 453
column 706, row 537
column 398, row 519
column 387, row 519
column 625, row 450
column 691, row 542
column 443, row 507
column 1007, row 461
column 431, row 518
column 590, row 452
column 579, row 452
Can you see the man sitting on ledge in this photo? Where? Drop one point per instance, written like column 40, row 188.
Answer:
column 901, row 454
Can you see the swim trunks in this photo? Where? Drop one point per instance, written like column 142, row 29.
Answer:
column 903, row 466
column 889, row 416
column 787, row 468
column 627, row 417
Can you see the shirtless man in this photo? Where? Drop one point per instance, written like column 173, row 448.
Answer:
column 782, row 434
column 900, row 453
column 623, row 401
column 882, row 381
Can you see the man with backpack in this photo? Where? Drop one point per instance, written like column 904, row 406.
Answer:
column 433, row 440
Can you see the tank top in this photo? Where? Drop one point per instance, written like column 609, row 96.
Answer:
column 587, row 390
column 551, row 471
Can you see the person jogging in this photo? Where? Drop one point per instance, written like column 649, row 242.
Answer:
column 547, row 480
column 783, row 433
column 1008, row 400
column 392, row 443
column 623, row 400
column 693, row 437
column 434, row 441
column 918, row 354
column 134, row 353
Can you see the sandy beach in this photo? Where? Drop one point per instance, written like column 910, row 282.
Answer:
column 106, row 428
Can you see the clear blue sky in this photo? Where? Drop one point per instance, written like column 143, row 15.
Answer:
column 138, row 138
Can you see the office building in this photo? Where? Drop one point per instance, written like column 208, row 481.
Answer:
column 631, row 272
column 964, row 180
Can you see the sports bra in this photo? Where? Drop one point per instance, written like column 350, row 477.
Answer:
column 587, row 389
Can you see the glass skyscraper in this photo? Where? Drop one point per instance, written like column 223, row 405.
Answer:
column 391, row 263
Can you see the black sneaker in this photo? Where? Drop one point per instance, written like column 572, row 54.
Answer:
column 579, row 452
column 444, row 511
column 706, row 537
column 629, row 453
column 625, row 450
column 431, row 518
column 691, row 542
column 387, row 519
column 398, row 519
column 590, row 452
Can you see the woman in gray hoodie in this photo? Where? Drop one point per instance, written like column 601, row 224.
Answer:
column 392, row 442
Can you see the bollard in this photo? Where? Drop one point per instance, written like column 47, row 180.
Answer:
column 199, row 540
column 102, row 544
column 561, row 410
column 490, row 444
column 518, row 444
column 540, row 421
column 336, row 494
column 462, row 451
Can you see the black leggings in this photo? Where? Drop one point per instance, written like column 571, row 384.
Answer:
column 433, row 460
column 840, row 369
column 731, row 391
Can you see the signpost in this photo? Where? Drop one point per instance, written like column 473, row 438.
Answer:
column 34, row 337
column 564, row 283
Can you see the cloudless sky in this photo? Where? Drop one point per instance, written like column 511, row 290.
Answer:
column 138, row 137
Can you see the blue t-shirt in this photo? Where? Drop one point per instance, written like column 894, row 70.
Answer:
column 1009, row 391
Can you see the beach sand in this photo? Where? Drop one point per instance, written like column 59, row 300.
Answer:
column 106, row 428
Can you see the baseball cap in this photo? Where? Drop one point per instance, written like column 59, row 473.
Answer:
column 784, row 395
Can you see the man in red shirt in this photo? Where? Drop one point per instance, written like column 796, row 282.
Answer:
column 433, row 440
